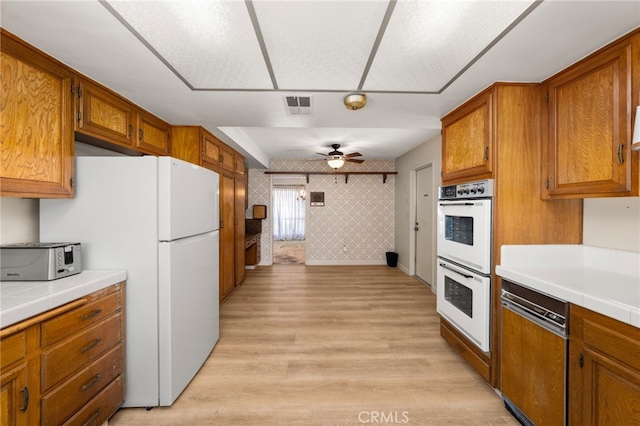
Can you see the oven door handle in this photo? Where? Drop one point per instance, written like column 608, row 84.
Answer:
column 467, row 276
column 457, row 204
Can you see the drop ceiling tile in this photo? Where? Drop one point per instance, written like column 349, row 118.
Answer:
column 211, row 45
column 426, row 44
column 319, row 45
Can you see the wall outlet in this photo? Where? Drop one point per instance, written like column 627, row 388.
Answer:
column 344, row 248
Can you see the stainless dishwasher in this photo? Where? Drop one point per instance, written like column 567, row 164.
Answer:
column 534, row 355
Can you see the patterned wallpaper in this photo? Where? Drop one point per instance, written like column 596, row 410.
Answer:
column 358, row 214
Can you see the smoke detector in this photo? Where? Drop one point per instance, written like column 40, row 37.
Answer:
column 355, row 102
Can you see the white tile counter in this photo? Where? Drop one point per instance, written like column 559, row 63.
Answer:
column 20, row 300
column 603, row 280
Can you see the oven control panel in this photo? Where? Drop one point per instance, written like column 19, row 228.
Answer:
column 477, row 189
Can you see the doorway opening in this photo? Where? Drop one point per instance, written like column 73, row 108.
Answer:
column 288, row 221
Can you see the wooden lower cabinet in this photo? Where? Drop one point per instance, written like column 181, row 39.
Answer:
column 604, row 370
column 65, row 366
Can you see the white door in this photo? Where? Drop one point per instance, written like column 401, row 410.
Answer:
column 188, row 310
column 188, row 199
column 424, row 227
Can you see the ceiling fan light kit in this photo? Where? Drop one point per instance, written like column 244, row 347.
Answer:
column 335, row 162
column 355, row 102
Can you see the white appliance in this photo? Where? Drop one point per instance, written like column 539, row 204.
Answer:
column 464, row 259
column 158, row 218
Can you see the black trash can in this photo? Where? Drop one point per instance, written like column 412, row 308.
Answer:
column 392, row 259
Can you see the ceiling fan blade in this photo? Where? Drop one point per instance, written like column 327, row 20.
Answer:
column 352, row 160
column 353, row 154
column 319, row 153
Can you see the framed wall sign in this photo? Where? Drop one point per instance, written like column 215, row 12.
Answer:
column 317, row 199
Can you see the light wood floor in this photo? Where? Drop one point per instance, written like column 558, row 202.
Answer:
column 316, row 345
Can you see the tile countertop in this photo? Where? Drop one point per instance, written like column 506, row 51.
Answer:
column 603, row 280
column 20, row 300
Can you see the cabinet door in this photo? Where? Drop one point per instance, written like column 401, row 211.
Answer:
column 227, row 234
column 467, row 138
column 587, row 127
column 240, row 168
column 104, row 115
column 154, row 135
column 36, row 123
column 185, row 143
column 239, row 226
column 228, row 158
column 211, row 152
column 14, row 398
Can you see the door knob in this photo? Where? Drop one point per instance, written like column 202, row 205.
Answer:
column 416, row 228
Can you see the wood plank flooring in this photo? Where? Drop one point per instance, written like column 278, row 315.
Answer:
column 339, row 345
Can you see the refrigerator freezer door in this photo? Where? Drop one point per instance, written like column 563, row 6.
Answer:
column 188, row 310
column 188, row 199
column 114, row 215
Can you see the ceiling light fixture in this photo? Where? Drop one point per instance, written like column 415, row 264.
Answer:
column 335, row 162
column 355, row 102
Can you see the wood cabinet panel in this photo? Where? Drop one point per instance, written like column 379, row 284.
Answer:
column 14, row 402
column 604, row 370
column 70, row 396
column 62, row 360
column 228, row 158
column 186, row 143
column 525, row 347
column 587, row 125
column 154, row 135
column 239, row 227
column 63, row 326
column 467, row 140
column 36, row 123
column 101, row 407
column 103, row 114
column 13, row 349
column 227, row 234
column 240, row 167
column 212, row 150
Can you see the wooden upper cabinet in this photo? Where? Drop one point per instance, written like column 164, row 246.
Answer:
column 186, row 143
column 228, row 158
column 153, row 135
column 104, row 115
column 586, row 129
column 212, row 150
column 467, row 142
column 36, row 122
column 240, row 167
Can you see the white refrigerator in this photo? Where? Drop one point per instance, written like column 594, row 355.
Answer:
column 158, row 218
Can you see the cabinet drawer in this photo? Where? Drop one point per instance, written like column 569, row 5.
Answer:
column 100, row 408
column 61, row 403
column 65, row 325
column 76, row 352
column 13, row 348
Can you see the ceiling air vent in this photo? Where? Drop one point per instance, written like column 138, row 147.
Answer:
column 298, row 105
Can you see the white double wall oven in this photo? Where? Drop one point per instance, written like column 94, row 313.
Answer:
column 464, row 259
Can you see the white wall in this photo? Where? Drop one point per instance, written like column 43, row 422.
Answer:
column 612, row 223
column 358, row 214
column 19, row 220
column 425, row 154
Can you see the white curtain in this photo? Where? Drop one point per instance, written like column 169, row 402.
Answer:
column 288, row 213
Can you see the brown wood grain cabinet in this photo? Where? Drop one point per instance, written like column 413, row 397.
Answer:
column 520, row 216
column 153, row 134
column 587, row 125
column 227, row 234
column 467, row 140
column 604, row 370
column 69, row 361
column 239, row 231
column 187, row 143
column 37, row 122
column 104, row 115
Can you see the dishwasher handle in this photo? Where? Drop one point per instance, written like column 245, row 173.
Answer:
column 544, row 318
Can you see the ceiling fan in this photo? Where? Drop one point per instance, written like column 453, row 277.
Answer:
column 336, row 159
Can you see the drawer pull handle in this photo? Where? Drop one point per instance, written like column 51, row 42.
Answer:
column 93, row 418
column 92, row 314
column 92, row 382
column 25, row 399
column 90, row 345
